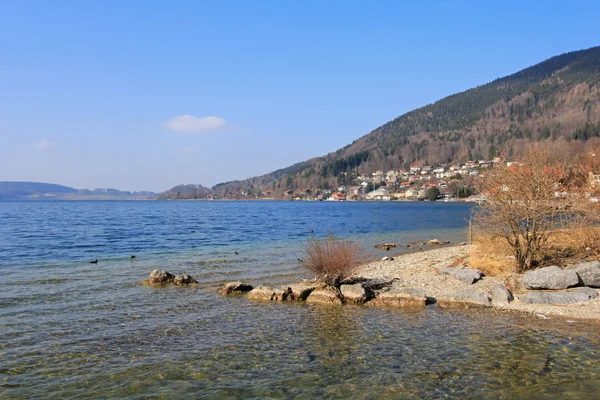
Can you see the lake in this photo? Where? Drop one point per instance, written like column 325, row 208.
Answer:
column 71, row 329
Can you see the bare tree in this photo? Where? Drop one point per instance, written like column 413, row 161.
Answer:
column 528, row 200
column 332, row 260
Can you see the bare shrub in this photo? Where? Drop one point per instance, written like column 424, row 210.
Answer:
column 332, row 260
column 527, row 202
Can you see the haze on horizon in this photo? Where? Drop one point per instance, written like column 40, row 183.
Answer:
column 143, row 96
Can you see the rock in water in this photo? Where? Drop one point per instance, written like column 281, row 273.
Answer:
column 324, row 296
column 573, row 296
column 160, row 277
column 235, row 288
column 184, row 280
column 354, row 294
column 552, row 278
column 300, row 291
column 499, row 295
column 464, row 298
column 269, row 293
column 401, row 298
column 469, row 276
column 589, row 273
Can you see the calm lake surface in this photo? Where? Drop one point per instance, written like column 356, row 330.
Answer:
column 71, row 329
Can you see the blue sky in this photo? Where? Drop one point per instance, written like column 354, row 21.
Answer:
column 144, row 95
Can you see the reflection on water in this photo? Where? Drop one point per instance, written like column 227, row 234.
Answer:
column 69, row 329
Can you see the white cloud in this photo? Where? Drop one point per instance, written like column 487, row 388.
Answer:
column 43, row 145
column 191, row 124
column 190, row 149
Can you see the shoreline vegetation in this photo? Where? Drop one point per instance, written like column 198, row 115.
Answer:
column 534, row 245
column 428, row 278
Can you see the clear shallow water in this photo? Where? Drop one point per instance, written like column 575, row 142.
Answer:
column 71, row 329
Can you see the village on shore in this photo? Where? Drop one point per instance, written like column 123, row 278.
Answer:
column 446, row 182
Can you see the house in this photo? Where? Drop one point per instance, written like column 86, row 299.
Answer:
column 378, row 194
column 410, row 193
column 355, row 190
column 377, row 176
column 414, row 169
column 339, row 196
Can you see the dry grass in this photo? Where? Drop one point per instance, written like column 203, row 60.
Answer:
column 332, row 260
column 494, row 257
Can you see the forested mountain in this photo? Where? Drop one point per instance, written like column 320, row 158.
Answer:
column 555, row 99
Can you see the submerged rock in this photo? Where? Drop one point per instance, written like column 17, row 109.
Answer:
column 385, row 246
column 552, row 278
column 324, row 296
column 464, row 298
column 500, row 295
column 235, row 288
column 300, row 291
column 184, row 280
column 589, row 273
column 573, row 296
column 468, row 276
column 355, row 294
column 160, row 277
column 400, row 298
column 269, row 293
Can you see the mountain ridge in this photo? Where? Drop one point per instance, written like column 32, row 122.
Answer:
column 23, row 190
column 558, row 98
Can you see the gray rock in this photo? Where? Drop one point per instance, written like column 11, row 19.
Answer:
column 552, row 278
column 469, row 276
column 387, row 259
column 160, row 277
column 573, row 296
column 235, row 288
column 269, row 294
column 499, row 295
column 464, row 298
column 589, row 273
column 184, row 280
column 434, row 242
column 324, row 296
column 354, row 294
column 300, row 291
column 400, row 298
column 385, row 246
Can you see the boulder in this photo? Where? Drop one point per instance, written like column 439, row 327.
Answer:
column 572, row 296
column 324, row 296
column 464, row 298
column 235, row 288
column 400, row 298
column 160, row 277
column 387, row 259
column 385, row 246
column 434, row 242
column 269, row 294
column 184, row 280
column 354, row 294
column 300, row 291
column 589, row 273
column 468, row 276
column 500, row 295
column 552, row 278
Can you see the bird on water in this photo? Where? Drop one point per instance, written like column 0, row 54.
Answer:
column 132, row 257
column 236, row 253
column 94, row 262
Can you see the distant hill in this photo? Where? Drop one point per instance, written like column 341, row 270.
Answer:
column 49, row 191
column 555, row 99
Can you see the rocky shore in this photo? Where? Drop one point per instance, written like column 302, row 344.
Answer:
column 443, row 277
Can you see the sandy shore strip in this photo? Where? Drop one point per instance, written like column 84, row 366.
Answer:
column 421, row 270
